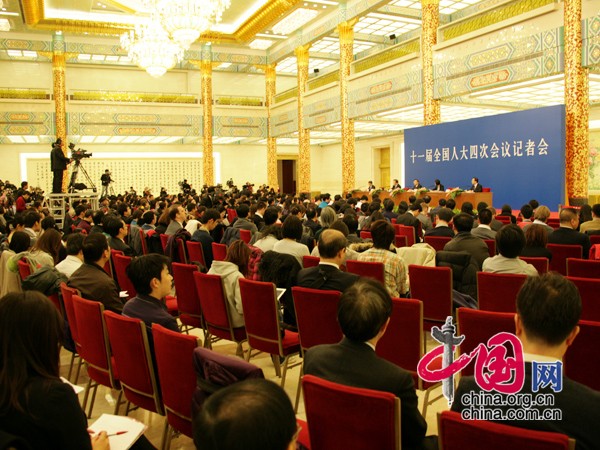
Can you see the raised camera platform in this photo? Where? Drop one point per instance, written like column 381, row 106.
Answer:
column 58, row 203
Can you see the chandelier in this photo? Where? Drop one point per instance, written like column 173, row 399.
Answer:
column 185, row 20
column 150, row 48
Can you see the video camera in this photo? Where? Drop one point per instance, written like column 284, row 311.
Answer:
column 79, row 154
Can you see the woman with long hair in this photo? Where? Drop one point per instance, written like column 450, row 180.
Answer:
column 47, row 248
column 34, row 403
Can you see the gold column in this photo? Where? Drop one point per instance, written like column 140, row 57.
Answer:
column 346, row 34
column 208, row 174
column 303, row 134
column 431, row 22
column 60, row 93
column 577, row 107
column 270, row 91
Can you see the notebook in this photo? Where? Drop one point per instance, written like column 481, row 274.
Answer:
column 115, row 424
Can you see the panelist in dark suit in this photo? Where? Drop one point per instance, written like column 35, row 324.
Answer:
column 363, row 314
column 567, row 233
column 548, row 309
column 438, row 185
column 475, row 186
column 327, row 275
column 416, row 184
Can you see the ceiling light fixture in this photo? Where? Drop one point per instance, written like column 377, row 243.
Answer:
column 4, row 25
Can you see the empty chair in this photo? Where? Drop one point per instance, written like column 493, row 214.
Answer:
column 374, row 270
column 121, row 262
column 143, row 242
column 409, row 232
column 188, row 303
column 365, row 235
column 560, row 253
column 579, row 366
column 245, row 235
column 590, row 300
column 219, row 251
column 350, row 418
column 541, row 264
column 583, row 268
column 456, row 433
column 433, row 286
column 310, row 261
column 195, row 252
column 217, row 318
column 95, row 350
column 259, row 301
column 437, row 242
column 491, row 246
column 400, row 241
column 498, row 291
column 164, row 238
column 67, row 297
column 174, row 362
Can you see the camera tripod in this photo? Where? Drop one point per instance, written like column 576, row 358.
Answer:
column 73, row 185
column 107, row 190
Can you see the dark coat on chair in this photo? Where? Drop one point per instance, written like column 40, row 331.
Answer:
column 325, row 277
column 466, row 242
column 281, row 269
column 464, row 270
column 356, row 364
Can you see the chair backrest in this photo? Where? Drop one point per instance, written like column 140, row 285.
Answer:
column 67, row 296
column 219, row 251
column 579, row 366
column 174, row 361
column 24, row 269
column 456, row 433
column 594, row 239
column 143, row 242
column 498, row 291
column 93, row 338
column 491, row 244
column 409, row 232
column 504, row 219
column 181, row 253
column 316, row 316
column 245, row 235
column 478, row 326
column 129, row 344
column 553, row 222
column 188, row 303
column 433, row 286
column 403, row 343
column 583, row 268
column 366, row 235
column 370, row 419
column 231, row 214
column 121, row 263
column 560, row 253
column 310, row 261
column 542, row 265
column 259, row 302
column 590, row 300
column 195, row 252
column 400, row 241
column 164, row 238
column 437, row 242
column 217, row 318
column 369, row 269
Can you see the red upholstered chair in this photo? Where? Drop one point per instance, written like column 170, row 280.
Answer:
column 219, row 251
column 542, row 264
column 188, row 303
column 366, row 235
column 195, row 252
column 594, row 239
column 579, row 365
column 174, row 354
column 458, row 434
column 164, row 238
column 245, row 235
column 478, row 326
column 588, row 290
column 129, row 344
column 67, row 294
column 143, row 242
column 231, row 214
column 583, row 268
column 498, row 291
column 437, row 242
column 409, row 232
column 259, row 301
column 560, row 253
column 181, row 253
column 310, row 261
column 486, row 189
column 553, row 222
column 108, row 269
column 374, row 270
column 400, row 241
column 24, row 269
column 403, row 342
column 121, row 262
column 433, row 286
column 217, row 318
column 351, row 418
column 504, row 219
column 95, row 350
column 54, row 298
column 491, row 246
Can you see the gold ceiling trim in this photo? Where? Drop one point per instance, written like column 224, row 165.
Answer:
column 34, row 13
column 120, row 6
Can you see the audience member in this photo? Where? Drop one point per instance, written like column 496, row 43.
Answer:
column 484, row 231
column 47, row 248
column 117, row 230
column 291, row 233
column 74, row 257
column 10, row 280
column 464, row 241
column 510, row 241
column 594, row 224
column 208, row 222
column 506, row 211
column 177, row 215
column 32, row 221
column 540, row 216
column 567, row 233
column 442, row 227
column 242, row 221
column 526, row 214
column 536, row 239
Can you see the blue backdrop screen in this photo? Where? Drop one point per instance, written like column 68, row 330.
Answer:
column 519, row 155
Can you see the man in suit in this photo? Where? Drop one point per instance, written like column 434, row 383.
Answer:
column 475, row 186
column 567, row 233
column 364, row 314
column 408, row 219
column 117, row 230
column 464, row 241
column 327, row 275
column 484, row 231
column 548, row 310
column 58, row 163
column 442, row 228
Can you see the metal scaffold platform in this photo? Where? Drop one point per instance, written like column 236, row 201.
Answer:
column 58, row 204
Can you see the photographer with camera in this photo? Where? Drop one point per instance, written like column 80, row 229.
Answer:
column 105, row 179
column 58, row 162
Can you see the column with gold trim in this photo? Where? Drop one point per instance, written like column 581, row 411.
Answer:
column 60, row 93
column 577, row 107
column 303, row 134
column 270, row 91
column 430, row 24
column 346, row 36
column 208, row 174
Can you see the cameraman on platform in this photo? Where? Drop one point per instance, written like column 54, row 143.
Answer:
column 106, row 180
column 58, row 162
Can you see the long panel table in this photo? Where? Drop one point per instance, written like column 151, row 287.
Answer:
column 473, row 197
